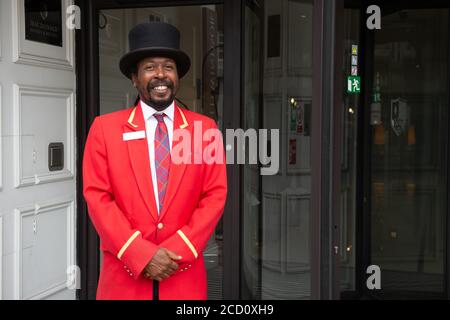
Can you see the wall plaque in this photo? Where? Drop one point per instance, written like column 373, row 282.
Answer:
column 43, row 21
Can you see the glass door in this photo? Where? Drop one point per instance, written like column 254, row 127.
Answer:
column 407, row 162
column 276, row 215
column 395, row 149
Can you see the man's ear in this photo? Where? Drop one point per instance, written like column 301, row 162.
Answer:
column 133, row 79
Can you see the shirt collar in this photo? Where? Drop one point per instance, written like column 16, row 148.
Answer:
column 148, row 111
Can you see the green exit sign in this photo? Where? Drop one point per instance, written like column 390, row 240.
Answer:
column 353, row 84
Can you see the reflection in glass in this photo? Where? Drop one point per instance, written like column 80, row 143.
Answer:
column 278, row 95
column 407, row 155
column 350, row 114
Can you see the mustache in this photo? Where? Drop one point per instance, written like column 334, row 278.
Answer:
column 157, row 83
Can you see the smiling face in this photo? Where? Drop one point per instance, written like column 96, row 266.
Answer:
column 156, row 80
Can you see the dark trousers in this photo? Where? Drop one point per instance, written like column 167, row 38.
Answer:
column 155, row 290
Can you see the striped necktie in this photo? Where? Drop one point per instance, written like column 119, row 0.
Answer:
column 162, row 158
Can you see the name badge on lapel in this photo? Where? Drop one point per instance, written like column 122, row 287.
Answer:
column 135, row 135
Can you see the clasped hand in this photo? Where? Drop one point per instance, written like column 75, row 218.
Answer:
column 162, row 265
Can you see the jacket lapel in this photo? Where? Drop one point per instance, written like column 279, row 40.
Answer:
column 138, row 153
column 176, row 170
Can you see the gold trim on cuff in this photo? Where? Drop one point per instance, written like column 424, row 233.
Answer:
column 127, row 244
column 189, row 244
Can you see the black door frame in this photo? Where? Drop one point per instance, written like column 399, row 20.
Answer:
column 363, row 198
column 87, row 67
column 326, row 146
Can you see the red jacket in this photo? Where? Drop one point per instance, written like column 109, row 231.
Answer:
column 119, row 194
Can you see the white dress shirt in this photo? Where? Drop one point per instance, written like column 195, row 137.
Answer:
column 150, row 128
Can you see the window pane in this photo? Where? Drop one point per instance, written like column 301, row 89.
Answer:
column 278, row 96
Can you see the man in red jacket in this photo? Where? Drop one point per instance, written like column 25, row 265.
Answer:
column 154, row 213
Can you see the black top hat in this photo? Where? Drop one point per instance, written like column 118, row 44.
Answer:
column 153, row 39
